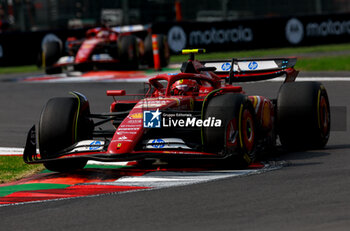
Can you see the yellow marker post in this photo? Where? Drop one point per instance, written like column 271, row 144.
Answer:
column 193, row 51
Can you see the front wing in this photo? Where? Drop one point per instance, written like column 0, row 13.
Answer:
column 31, row 155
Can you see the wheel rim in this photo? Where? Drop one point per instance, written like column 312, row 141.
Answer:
column 247, row 131
column 231, row 133
column 131, row 52
column 323, row 116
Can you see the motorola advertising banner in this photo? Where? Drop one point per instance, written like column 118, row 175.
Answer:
column 322, row 29
column 257, row 34
column 22, row 48
column 218, row 36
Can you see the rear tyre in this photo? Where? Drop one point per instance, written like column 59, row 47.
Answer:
column 164, row 53
column 61, row 125
column 50, row 55
column 237, row 137
column 303, row 115
column 128, row 52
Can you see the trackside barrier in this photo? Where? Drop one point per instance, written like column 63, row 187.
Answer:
column 214, row 36
column 156, row 58
column 260, row 33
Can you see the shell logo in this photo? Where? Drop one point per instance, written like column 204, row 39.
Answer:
column 87, row 46
column 136, row 116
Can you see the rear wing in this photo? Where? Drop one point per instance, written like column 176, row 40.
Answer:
column 243, row 70
column 131, row 28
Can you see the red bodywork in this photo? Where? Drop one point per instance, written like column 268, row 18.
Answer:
column 97, row 40
column 162, row 99
column 130, row 132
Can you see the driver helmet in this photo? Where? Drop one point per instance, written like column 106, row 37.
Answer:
column 103, row 34
column 184, row 87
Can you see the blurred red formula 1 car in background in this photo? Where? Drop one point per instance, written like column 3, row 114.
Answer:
column 196, row 114
column 126, row 47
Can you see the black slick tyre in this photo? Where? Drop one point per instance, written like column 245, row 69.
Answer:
column 60, row 126
column 50, row 55
column 237, row 137
column 303, row 115
column 128, row 52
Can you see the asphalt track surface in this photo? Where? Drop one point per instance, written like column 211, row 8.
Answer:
column 311, row 193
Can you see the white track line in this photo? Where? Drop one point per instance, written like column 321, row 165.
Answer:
column 9, row 151
column 94, row 162
column 166, row 179
column 338, row 79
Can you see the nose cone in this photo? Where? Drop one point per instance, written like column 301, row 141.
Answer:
column 85, row 50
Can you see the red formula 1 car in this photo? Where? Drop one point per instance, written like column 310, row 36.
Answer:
column 126, row 47
column 195, row 114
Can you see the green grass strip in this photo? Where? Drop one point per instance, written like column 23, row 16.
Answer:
column 7, row 190
column 19, row 69
column 165, row 69
column 14, row 168
column 322, row 50
column 331, row 63
column 314, row 58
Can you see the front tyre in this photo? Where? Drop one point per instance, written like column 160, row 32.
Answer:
column 62, row 123
column 237, row 137
column 50, row 55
